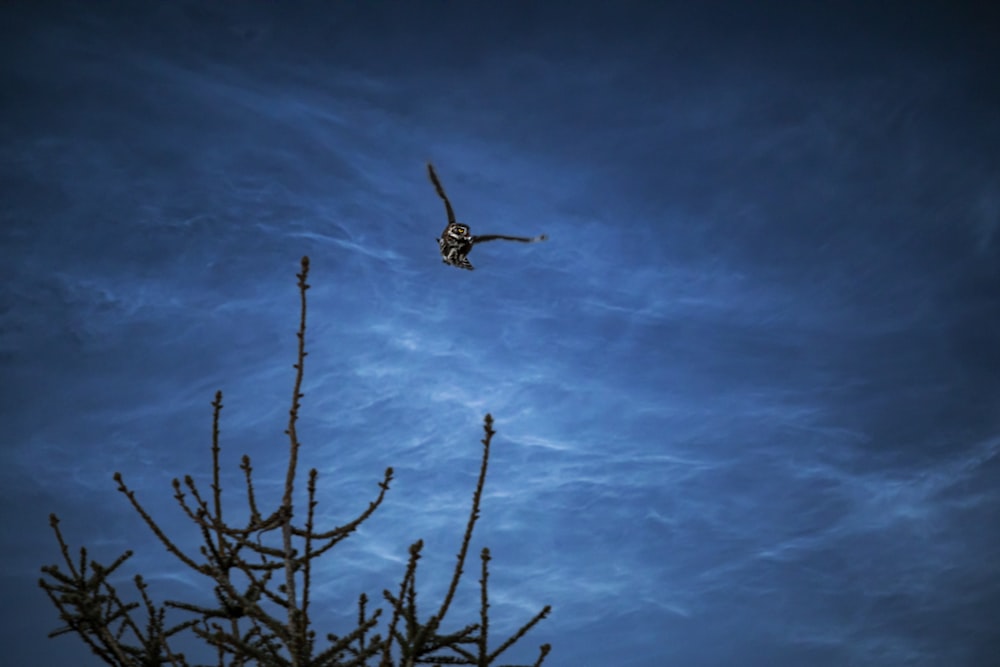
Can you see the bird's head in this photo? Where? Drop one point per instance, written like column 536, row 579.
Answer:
column 458, row 231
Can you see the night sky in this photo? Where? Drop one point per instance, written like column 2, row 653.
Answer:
column 747, row 395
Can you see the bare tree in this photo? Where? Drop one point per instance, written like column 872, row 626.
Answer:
column 262, row 573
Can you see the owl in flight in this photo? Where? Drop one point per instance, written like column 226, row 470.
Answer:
column 456, row 242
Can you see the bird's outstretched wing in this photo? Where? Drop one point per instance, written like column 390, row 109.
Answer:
column 441, row 194
column 501, row 237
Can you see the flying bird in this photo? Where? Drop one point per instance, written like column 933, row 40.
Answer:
column 456, row 241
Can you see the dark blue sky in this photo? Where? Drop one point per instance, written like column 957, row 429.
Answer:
column 748, row 394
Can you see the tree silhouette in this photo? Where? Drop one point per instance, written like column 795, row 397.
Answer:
column 262, row 573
